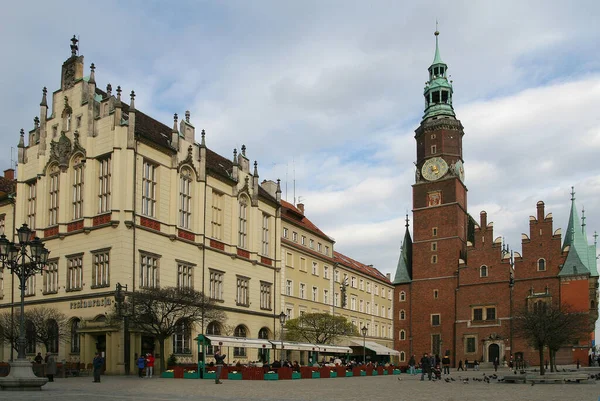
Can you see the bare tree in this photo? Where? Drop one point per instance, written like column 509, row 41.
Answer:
column 161, row 311
column 51, row 326
column 547, row 325
column 9, row 329
column 319, row 328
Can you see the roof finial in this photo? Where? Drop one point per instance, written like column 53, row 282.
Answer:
column 132, row 105
column 22, row 139
column 187, row 116
column 203, row 143
column 595, row 237
column 36, row 122
column 175, row 122
column 244, row 150
column 437, row 59
column 255, row 168
column 108, row 90
column 74, row 46
column 92, row 79
column 44, row 102
column 583, row 218
column 406, row 221
column 572, row 193
column 234, row 156
column 119, row 93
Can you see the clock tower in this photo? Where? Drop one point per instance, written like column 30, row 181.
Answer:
column 439, row 214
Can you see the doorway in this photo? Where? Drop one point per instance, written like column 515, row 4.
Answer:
column 101, row 348
column 493, row 352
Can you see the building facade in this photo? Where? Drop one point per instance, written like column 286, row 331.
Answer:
column 119, row 198
column 457, row 287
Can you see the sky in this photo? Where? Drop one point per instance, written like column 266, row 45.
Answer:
column 326, row 96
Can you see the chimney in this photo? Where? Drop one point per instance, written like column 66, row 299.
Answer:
column 389, row 276
column 540, row 211
column 301, row 207
column 9, row 174
column 483, row 219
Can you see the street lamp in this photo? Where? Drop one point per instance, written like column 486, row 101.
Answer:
column 24, row 259
column 120, row 300
column 364, row 333
column 282, row 317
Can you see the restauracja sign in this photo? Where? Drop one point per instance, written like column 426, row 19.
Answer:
column 91, row 303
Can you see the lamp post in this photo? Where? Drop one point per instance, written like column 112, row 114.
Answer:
column 364, row 333
column 120, row 299
column 282, row 317
column 24, row 259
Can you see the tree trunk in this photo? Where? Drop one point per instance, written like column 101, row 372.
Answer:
column 541, row 354
column 552, row 360
column 161, row 345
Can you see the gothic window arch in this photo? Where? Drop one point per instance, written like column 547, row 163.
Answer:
column 77, row 182
column 402, row 356
column 483, row 271
column 213, row 328
column 541, row 265
column 243, row 222
column 402, row 315
column 402, row 335
column 185, row 197
column 75, row 339
column 402, row 296
column 53, row 194
column 240, row 331
column 263, row 353
column 182, row 338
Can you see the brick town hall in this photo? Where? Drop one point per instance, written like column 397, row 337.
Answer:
column 457, row 287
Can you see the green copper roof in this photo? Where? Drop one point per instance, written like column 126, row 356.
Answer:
column 582, row 257
column 404, row 269
column 437, row 59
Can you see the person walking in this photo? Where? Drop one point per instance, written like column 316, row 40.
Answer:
column 149, row 365
column 50, row 366
column 219, row 362
column 446, row 364
column 425, row 366
column 39, row 358
column 411, row 364
column 496, row 363
column 97, row 363
column 460, row 366
column 141, row 364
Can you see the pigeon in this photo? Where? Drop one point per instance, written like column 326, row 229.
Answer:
column 399, row 379
column 447, row 380
column 452, row 378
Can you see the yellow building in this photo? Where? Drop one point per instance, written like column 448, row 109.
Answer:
column 118, row 197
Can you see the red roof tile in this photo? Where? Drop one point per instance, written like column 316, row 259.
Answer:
column 291, row 213
column 366, row 269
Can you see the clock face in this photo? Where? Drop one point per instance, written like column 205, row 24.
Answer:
column 434, row 169
column 459, row 169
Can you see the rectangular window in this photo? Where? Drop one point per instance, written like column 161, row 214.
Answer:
column 361, row 306
column 311, row 244
column 376, row 309
column 185, row 276
column 148, row 189
column 302, row 265
column 368, row 287
column 361, row 285
column 478, row 314
column 315, row 269
column 53, row 209
column 389, row 315
column 353, row 303
column 216, row 285
column 336, row 299
column 265, row 235
column 434, row 246
column 78, row 174
column 325, row 296
column 434, row 231
column 319, row 247
column 289, row 259
column 243, row 293
column 326, row 272
column 490, row 314
column 353, row 282
column 104, row 185
column 148, row 271
column 327, row 250
column 265, row 295
column 75, row 273
column 2, row 282
column 31, row 203
column 243, row 225
column 436, row 344
column 285, row 233
column 376, row 289
column 368, row 308
column 470, row 346
column 295, row 236
column 302, row 290
column 289, row 290
column 434, row 259
column 435, row 320
column 217, row 215
column 336, row 275
column 315, row 294
column 303, row 240
column 185, row 198
column 100, row 269
column 30, row 286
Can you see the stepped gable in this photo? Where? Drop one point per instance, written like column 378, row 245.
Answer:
column 366, row 269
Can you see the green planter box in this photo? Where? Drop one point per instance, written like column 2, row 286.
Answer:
column 190, row 375
column 396, row 371
column 167, row 375
column 385, row 372
column 271, row 376
column 374, row 373
column 210, row 375
column 234, row 376
column 363, row 372
column 316, row 375
column 332, row 374
column 296, row 375
column 349, row 373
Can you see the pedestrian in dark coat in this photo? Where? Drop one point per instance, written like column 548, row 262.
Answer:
column 50, row 366
column 97, row 364
column 219, row 358
column 425, row 366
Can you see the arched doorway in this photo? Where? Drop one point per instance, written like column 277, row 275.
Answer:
column 493, row 352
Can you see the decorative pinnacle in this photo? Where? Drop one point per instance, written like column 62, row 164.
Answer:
column 187, row 116
column 74, row 46
column 119, row 93
column 22, row 139
column 108, row 90
column 278, row 185
column 132, row 96
column 255, row 168
column 44, row 102
column 406, row 220
column 92, row 74
column 243, row 150
column 234, row 156
column 203, row 134
column 583, row 217
column 572, row 193
column 175, row 122
column 36, row 122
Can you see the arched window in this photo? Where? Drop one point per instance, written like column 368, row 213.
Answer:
column 541, row 265
column 29, row 337
column 185, row 198
column 182, row 338
column 402, row 296
column 402, row 356
column 78, row 189
column 402, row 314
column 243, row 223
column 263, row 353
column 240, row 331
column 483, row 271
column 402, row 335
column 75, row 340
column 52, row 345
column 263, row 333
column 215, row 329
column 53, row 192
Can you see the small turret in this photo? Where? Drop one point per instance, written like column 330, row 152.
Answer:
column 438, row 90
column 43, row 117
column 131, row 126
column 175, row 133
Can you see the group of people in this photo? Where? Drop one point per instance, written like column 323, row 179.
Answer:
column 147, row 362
column 51, row 368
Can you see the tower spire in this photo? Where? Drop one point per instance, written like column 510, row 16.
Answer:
column 438, row 89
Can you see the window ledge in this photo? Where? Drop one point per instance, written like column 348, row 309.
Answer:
column 100, row 286
column 247, row 305
column 73, row 289
column 49, row 292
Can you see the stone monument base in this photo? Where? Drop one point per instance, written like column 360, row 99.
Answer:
column 22, row 378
